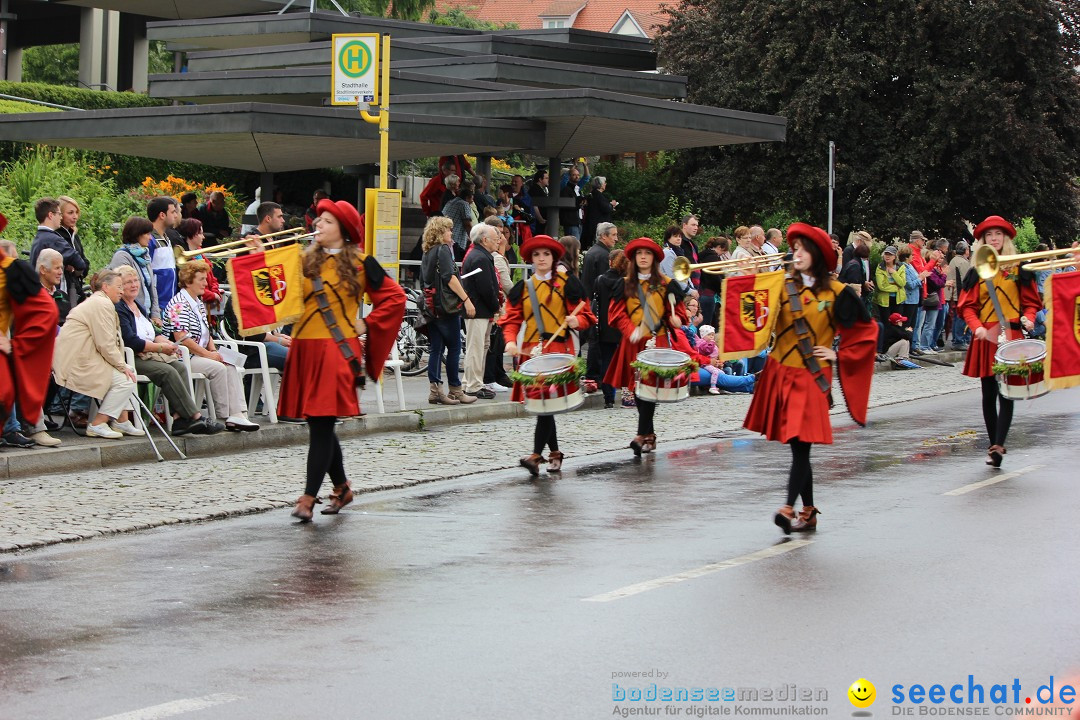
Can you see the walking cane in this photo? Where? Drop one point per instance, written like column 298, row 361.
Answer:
column 159, row 427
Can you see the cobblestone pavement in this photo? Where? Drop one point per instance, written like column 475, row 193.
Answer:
column 58, row 508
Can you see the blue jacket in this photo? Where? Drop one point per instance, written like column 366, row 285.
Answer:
column 913, row 287
column 127, row 326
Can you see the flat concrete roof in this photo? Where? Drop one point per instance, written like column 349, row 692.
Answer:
column 180, row 9
column 290, row 28
column 594, row 122
column 308, row 86
column 304, row 54
column 311, row 85
column 578, row 47
column 265, row 138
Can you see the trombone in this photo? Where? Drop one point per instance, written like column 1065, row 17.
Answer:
column 987, row 261
column 231, row 249
column 682, row 267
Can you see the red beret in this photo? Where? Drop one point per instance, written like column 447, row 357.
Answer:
column 643, row 243
column 352, row 222
column 817, row 236
column 994, row 221
column 539, row 242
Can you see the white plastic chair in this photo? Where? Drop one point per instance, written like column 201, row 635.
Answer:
column 202, row 381
column 261, row 379
column 393, row 365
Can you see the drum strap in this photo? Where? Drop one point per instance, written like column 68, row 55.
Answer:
column 802, row 332
column 650, row 319
column 535, row 302
column 355, row 364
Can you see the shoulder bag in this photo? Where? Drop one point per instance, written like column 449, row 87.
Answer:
column 806, row 348
column 355, row 363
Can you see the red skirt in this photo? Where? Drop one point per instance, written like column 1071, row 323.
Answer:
column 787, row 405
column 318, row 381
column 979, row 359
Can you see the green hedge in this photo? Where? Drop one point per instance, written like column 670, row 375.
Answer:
column 79, row 97
column 14, row 107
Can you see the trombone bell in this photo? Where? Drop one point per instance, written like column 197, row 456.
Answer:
column 987, row 261
column 682, row 268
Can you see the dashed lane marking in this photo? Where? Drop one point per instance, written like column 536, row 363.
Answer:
column 992, row 481
column 176, row 707
column 765, row 554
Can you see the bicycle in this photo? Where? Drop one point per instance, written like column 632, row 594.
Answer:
column 412, row 346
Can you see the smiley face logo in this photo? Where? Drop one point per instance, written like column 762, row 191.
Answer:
column 862, row 693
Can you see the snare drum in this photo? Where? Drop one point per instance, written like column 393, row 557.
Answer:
column 676, row 367
column 550, row 398
column 1015, row 383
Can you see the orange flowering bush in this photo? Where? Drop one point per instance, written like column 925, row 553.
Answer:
column 176, row 187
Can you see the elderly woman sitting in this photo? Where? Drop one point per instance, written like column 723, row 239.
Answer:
column 135, row 253
column 89, row 358
column 158, row 358
column 186, row 320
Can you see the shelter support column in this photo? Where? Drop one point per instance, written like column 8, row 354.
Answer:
column 266, row 186
column 551, row 211
column 91, row 34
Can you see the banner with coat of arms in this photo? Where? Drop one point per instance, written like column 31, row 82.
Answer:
column 749, row 304
column 267, row 289
column 1062, row 365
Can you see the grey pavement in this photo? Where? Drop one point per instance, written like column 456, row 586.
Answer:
column 492, row 596
column 235, row 479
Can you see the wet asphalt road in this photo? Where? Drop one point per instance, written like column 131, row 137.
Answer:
column 485, row 597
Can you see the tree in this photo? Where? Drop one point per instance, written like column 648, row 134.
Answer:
column 942, row 110
column 52, row 64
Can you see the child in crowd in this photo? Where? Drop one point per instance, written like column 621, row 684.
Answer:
column 693, row 311
column 706, row 345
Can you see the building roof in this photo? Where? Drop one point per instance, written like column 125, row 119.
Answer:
column 599, row 15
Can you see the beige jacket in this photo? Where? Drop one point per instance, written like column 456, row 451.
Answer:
column 89, row 347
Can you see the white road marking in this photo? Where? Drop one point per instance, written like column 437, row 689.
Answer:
column 629, row 590
column 992, row 481
column 176, row 707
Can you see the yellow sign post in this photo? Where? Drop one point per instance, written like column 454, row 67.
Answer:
column 383, row 206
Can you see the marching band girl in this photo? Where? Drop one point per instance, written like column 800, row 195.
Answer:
column 793, row 394
column 647, row 309
column 551, row 296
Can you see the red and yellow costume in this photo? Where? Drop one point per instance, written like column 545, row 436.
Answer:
column 318, row 381
column 1018, row 295
column 626, row 315
column 557, row 296
column 787, row 402
column 647, row 309
column 25, row 373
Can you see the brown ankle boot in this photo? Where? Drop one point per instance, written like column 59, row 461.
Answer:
column 532, row 463
column 438, row 397
column 339, row 498
column 305, row 505
column 649, row 444
column 783, row 517
column 637, row 444
column 995, row 452
column 555, row 459
column 807, row 519
column 458, row 394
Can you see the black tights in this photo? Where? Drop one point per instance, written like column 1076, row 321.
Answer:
column 646, row 411
column 545, row 434
column 801, row 478
column 324, row 455
column 997, row 412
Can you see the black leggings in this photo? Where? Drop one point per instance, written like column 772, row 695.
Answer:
column 545, row 434
column 324, row 455
column 997, row 412
column 801, row 478
column 646, row 411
